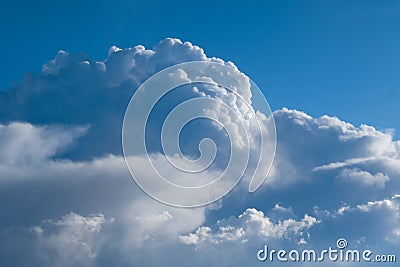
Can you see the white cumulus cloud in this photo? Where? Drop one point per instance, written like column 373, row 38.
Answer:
column 67, row 198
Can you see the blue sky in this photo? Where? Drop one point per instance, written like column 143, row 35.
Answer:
column 324, row 57
column 66, row 195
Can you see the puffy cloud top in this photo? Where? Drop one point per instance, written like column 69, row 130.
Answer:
column 75, row 90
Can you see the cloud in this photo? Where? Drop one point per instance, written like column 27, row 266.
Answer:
column 70, row 241
column 250, row 225
column 364, row 178
column 384, row 213
column 82, row 212
column 72, row 237
column 67, row 198
column 76, row 90
column 313, row 147
column 136, row 222
column 23, row 143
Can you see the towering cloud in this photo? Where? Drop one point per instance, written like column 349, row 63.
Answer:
column 67, row 198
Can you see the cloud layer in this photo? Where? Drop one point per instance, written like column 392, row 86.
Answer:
column 67, row 197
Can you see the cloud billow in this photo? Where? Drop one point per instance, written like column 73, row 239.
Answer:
column 67, row 198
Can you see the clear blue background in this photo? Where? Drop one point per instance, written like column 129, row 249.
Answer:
column 338, row 58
